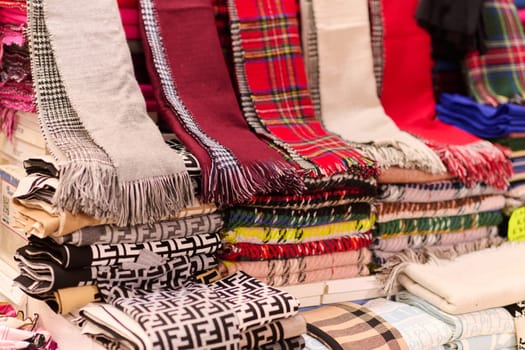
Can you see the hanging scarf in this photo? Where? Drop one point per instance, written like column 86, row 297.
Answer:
column 112, row 149
column 345, row 79
column 197, row 102
column 498, row 75
column 274, row 93
column 407, row 97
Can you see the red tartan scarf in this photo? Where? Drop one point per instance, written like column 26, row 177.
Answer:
column 196, row 100
column 274, row 91
column 407, row 96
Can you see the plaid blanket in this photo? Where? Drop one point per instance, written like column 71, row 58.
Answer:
column 269, row 235
column 318, row 199
column 432, row 191
column 407, row 69
column 499, row 75
column 387, row 211
column 274, row 91
column 438, row 224
column 352, row 326
column 285, row 217
column 212, row 128
column 252, row 251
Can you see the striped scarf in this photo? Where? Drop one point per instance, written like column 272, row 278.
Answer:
column 274, row 93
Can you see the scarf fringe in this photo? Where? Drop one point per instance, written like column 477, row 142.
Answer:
column 476, row 162
column 93, row 189
column 238, row 184
column 404, row 156
column 388, row 273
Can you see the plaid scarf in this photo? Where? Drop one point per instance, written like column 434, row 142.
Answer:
column 432, row 192
column 212, row 128
column 498, row 75
column 112, row 149
column 387, row 211
column 252, row 251
column 274, row 92
column 319, row 199
column 284, row 217
column 269, row 235
column 352, row 326
column 407, row 70
column 438, row 224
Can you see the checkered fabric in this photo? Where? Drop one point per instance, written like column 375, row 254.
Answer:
column 499, row 75
column 352, row 326
column 274, row 91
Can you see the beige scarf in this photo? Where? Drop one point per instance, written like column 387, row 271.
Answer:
column 339, row 61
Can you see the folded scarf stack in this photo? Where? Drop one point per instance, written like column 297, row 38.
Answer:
column 238, row 312
column 443, row 218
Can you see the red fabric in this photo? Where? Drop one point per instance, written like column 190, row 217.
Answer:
column 407, row 93
column 521, row 14
column 13, row 15
column 193, row 52
column 129, row 16
column 128, row 3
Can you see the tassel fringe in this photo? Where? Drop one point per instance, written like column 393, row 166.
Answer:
column 238, row 184
column 388, row 273
column 477, row 162
column 93, row 189
column 7, row 122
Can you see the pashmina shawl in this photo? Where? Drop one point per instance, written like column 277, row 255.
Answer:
column 252, row 251
column 204, row 316
column 274, row 94
column 344, row 68
column 112, row 149
column 465, row 284
column 197, row 102
column 498, row 75
column 348, row 326
column 407, row 97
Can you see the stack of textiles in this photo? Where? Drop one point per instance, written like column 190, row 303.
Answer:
column 19, row 332
column 237, row 312
column 322, row 234
column 66, row 253
column 445, row 218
